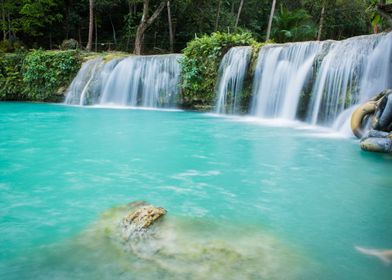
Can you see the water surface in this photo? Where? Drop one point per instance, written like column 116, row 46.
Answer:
column 310, row 198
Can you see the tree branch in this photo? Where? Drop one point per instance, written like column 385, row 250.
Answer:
column 156, row 13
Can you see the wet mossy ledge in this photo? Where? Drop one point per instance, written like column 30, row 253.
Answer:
column 44, row 76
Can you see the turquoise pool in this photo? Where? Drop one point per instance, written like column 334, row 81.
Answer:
column 306, row 198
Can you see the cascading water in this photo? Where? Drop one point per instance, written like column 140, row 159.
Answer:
column 80, row 86
column 281, row 74
column 323, row 80
column 147, row 81
column 232, row 71
column 352, row 71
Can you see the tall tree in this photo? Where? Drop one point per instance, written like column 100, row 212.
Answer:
column 218, row 15
column 90, row 25
column 320, row 31
column 3, row 23
column 270, row 20
column 171, row 36
column 145, row 23
column 238, row 14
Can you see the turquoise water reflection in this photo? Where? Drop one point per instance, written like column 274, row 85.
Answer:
column 60, row 167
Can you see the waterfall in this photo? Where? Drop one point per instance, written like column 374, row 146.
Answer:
column 147, row 81
column 352, row 71
column 281, row 74
column 232, row 71
column 320, row 82
column 77, row 92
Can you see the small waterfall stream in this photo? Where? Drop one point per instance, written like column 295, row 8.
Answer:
column 281, row 74
column 147, row 81
column 232, row 71
column 78, row 90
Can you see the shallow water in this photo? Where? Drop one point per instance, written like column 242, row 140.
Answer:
column 308, row 197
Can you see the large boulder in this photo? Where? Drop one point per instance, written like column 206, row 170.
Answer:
column 375, row 116
column 382, row 119
column 377, row 141
column 378, row 110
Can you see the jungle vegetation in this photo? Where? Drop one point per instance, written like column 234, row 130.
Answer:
column 44, row 42
column 160, row 26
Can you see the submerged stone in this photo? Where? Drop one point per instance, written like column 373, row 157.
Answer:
column 143, row 242
column 144, row 217
column 139, row 221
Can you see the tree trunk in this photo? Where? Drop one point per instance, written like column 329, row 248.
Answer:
column 96, row 34
column 270, row 20
column 145, row 23
column 3, row 25
column 128, row 33
column 321, row 23
column 90, row 26
column 238, row 14
column 79, row 36
column 218, row 16
column 9, row 26
column 114, row 30
column 171, row 36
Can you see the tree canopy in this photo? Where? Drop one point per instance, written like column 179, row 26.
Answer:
column 47, row 23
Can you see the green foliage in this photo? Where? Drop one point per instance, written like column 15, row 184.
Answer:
column 37, row 75
column 11, row 79
column 36, row 14
column 45, row 72
column 342, row 18
column 47, row 23
column 6, row 46
column 201, row 63
column 70, row 44
column 376, row 20
column 289, row 26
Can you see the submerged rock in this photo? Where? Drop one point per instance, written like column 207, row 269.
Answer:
column 140, row 241
column 144, row 217
column 139, row 221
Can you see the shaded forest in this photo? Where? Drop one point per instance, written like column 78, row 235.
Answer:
column 167, row 26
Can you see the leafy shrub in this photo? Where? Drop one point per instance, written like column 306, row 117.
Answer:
column 11, row 79
column 200, row 65
column 70, row 44
column 9, row 46
column 44, row 72
column 5, row 46
column 293, row 25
